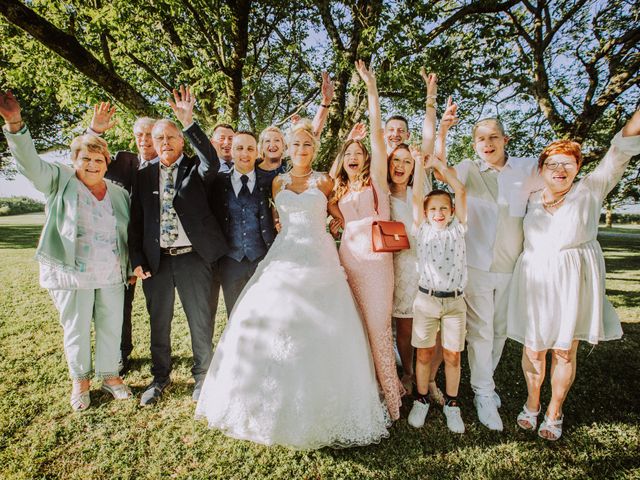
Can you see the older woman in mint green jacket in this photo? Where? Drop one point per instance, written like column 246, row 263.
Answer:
column 82, row 251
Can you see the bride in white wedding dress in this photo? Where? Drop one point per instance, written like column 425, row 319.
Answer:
column 293, row 366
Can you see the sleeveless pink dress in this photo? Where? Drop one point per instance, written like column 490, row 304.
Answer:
column 370, row 276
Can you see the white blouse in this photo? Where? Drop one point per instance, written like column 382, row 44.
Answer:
column 97, row 261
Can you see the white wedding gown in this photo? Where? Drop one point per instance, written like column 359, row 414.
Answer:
column 293, row 366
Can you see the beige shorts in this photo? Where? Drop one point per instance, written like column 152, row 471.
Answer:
column 430, row 314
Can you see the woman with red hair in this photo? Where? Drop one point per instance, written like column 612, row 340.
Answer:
column 557, row 295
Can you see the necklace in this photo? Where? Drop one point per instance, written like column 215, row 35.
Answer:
column 553, row 203
column 303, row 175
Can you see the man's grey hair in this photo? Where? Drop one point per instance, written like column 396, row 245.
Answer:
column 163, row 122
column 144, row 121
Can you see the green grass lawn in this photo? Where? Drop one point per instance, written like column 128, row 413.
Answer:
column 41, row 438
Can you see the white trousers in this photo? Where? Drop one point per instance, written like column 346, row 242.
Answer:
column 77, row 309
column 487, row 296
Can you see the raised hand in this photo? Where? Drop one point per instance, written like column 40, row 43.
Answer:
column 632, row 128
column 327, row 89
column 435, row 162
column 450, row 116
column 415, row 153
column 367, row 75
column 431, row 81
column 102, row 117
column 10, row 111
column 182, row 105
column 295, row 118
column 358, row 132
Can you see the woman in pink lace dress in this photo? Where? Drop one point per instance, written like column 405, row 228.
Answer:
column 370, row 274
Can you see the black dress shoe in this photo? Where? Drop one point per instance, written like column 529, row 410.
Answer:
column 153, row 393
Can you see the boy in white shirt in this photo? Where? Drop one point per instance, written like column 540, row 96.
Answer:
column 439, row 305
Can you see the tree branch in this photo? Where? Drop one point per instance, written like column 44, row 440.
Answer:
column 324, row 7
column 152, row 73
column 69, row 48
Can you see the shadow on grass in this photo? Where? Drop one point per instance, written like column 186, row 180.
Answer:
column 19, row 236
column 624, row 298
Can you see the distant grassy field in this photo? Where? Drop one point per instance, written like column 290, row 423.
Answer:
column 41, row 438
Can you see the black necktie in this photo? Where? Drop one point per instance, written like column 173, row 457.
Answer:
column 244, row 191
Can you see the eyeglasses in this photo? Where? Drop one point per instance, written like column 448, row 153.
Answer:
column 566, row 165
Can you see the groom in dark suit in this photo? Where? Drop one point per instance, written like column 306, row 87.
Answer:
column 173, row 240
column 240, row 200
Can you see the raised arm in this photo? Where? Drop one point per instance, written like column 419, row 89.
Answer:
column 323, row 110
column 182, row 106
column 419, row 174
column 42, row 174
column 378, row 167
column 448, row 120
column 429, row 124
column 609, row 171
column 449, row 176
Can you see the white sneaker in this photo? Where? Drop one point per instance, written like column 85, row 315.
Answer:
column 454, row 419
column 418, row 414
column 487, row 412
column 496, row 400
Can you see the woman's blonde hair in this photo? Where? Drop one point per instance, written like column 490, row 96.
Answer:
column 90, row 142
column 303, row 125
column 341, row 182
column 263, row 134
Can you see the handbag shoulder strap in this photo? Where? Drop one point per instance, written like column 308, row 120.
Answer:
column 375, row 197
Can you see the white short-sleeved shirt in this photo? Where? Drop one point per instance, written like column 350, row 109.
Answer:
column 494, row 218
column 441, row 257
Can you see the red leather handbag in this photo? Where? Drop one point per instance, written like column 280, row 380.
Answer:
column 387, row 236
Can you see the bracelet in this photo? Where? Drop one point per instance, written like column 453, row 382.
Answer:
column 431, row 104
column 324, row 106
column 432, row 96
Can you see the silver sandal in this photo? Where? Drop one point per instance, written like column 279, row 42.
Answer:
column 119, row 391
column 80, row 400
column 527, row 415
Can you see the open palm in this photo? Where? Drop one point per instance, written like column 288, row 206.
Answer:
column 10, row 108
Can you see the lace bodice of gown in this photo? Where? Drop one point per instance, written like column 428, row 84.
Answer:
column 303, row 219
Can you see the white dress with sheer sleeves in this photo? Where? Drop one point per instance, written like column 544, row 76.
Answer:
column 558, row 287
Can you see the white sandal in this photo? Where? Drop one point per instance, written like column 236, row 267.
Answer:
column 554, row 427
column 527, row 415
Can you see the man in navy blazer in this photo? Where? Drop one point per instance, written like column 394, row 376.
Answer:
column 174, row 238
column 240, row 200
